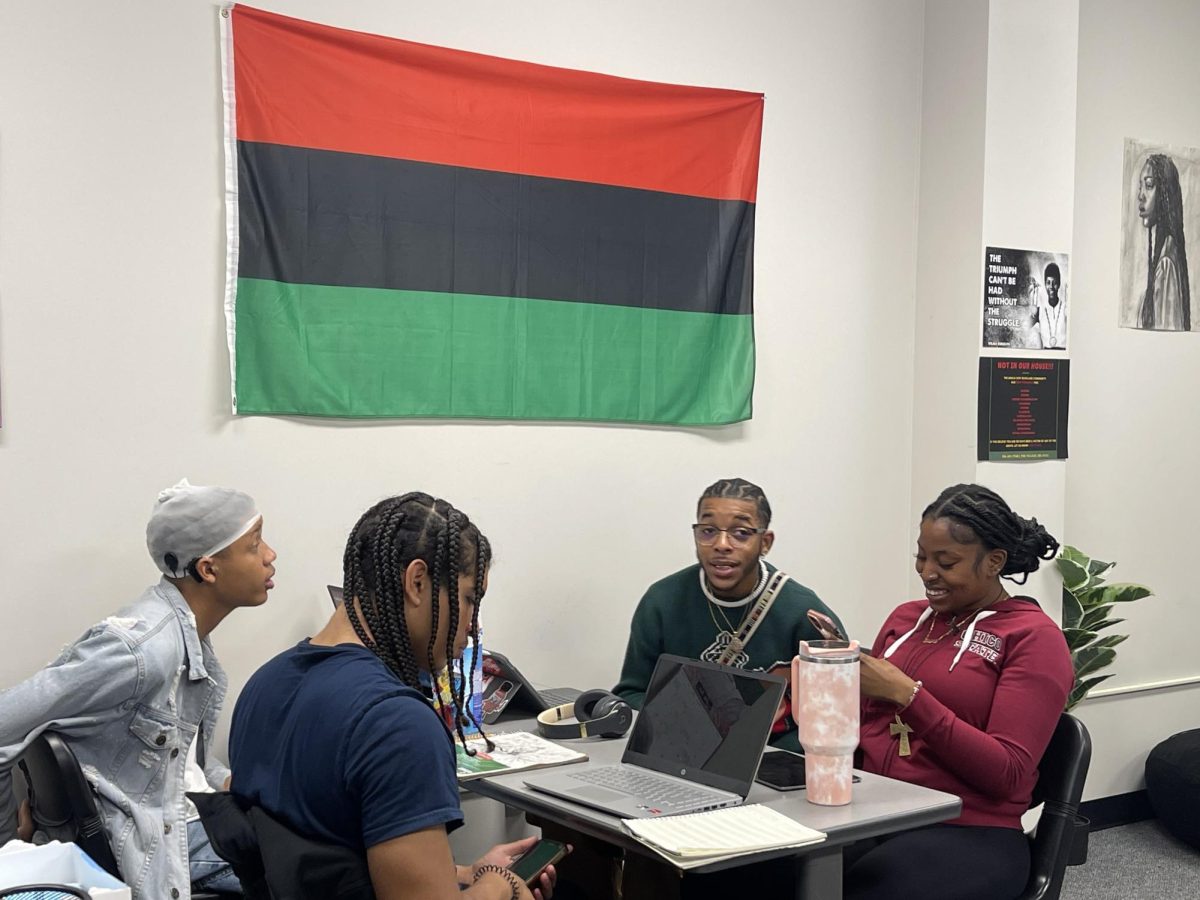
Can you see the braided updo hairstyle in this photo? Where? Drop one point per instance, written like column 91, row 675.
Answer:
column 390, row 535
column 978, row 515
column 739, row 489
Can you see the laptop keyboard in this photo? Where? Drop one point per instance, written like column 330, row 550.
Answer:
column 647, row 787
column 559, row 696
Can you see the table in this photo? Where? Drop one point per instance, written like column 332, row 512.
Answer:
column 881, row 805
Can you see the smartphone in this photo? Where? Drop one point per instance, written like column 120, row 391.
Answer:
column 826, row 626
column 528, row 867
column 783, row 770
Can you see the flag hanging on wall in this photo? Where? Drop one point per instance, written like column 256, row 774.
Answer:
column 422, row 232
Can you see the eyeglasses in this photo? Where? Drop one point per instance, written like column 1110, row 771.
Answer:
column 738, row 535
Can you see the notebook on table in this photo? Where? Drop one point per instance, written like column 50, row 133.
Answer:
column 695, row 745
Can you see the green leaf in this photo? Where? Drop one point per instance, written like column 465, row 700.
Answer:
column 1096, row 567
column 1111, row 641
column 1075, row 576
column 1092, row 659
column 1081, row 689
column 1093, row 616
column 1107, row 623
column 1075, row 555
column 1126, row 592
column 1072, row 612
column 1077, row 638
column 1108, row 594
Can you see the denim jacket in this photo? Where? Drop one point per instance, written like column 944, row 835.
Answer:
column 128, row 696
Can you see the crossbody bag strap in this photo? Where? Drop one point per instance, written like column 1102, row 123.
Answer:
column 757, row 613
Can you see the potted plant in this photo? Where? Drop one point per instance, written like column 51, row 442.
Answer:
column 1086, row 611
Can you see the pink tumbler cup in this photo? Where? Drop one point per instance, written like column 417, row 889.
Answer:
column 825, row 707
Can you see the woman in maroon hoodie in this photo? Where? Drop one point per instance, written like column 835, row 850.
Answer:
column 962, row 693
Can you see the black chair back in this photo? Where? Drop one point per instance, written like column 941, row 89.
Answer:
column 61, row 799
column 1061, row 776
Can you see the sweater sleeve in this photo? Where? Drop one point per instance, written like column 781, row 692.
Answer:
column 1029, row 697
column 642, row 652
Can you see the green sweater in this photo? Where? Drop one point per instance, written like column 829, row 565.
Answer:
column 675, row 617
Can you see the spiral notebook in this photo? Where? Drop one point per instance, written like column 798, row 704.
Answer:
column 700, row 838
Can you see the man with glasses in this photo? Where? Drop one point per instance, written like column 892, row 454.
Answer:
column 732, row 607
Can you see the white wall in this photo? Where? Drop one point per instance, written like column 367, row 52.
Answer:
column 114, row 373
column 946, row 344
column 1026, row 105
column 1133, row 483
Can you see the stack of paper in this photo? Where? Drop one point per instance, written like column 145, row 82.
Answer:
column 701, row 838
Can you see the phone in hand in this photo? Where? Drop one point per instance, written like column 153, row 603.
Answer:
column 826, row 626
column 530, row 864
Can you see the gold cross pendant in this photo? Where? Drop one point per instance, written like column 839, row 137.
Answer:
column 900, row 728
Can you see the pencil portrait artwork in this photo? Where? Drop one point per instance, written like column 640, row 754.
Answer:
column 1160, row 224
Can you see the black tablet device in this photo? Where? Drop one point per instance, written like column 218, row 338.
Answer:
column 783, row 770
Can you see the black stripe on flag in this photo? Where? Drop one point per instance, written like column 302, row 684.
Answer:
column 323, row 217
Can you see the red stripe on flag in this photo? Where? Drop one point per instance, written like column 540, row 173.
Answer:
column 308, row 85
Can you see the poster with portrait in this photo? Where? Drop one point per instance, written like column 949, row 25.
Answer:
column 1024, row 299
column 1160, row 226
column 1023, row 404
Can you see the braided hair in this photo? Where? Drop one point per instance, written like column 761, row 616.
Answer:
column 385, row 540
column 978, row 515
column 739, row 489
column 1168, row 223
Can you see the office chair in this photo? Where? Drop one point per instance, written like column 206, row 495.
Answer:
column 43, row 892
column 63, row 805
column 62, row 802
column 1061, row 775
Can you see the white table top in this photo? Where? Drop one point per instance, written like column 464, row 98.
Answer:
column 880, row 805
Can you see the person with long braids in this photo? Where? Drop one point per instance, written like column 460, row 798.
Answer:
column 1166, row 303
column 335, row 738
column 962, row 693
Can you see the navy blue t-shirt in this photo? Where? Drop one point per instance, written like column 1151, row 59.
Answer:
column 331, row 742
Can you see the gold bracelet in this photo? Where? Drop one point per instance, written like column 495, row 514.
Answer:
column 507, row 874
column 917, row 685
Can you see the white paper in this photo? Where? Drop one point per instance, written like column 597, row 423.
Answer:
column 723, row 832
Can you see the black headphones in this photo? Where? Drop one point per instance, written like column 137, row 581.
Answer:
column 597, row 713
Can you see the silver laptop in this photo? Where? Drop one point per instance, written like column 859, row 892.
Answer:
column 695, row 745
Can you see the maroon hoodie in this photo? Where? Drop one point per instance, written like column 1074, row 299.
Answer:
column 991, row 698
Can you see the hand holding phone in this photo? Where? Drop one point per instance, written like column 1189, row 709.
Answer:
column 826, row 626
column 530, row 864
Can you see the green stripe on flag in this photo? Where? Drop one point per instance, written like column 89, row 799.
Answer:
column 339, row 351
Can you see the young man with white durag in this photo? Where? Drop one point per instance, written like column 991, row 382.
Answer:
column 137, row 696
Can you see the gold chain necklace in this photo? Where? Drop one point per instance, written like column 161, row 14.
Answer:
column 954, row 627
column 728, row 625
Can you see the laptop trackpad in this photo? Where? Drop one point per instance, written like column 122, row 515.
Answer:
column 599, row 794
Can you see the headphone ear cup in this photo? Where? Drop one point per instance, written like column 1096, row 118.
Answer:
column 618, row 713
column 612, row 713
column 586, row 703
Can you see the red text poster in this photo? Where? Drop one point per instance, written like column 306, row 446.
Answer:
column 1023, row 408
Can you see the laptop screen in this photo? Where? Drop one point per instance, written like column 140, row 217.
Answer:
column 705, row 722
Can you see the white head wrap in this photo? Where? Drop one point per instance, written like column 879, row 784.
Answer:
column 190, row 521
